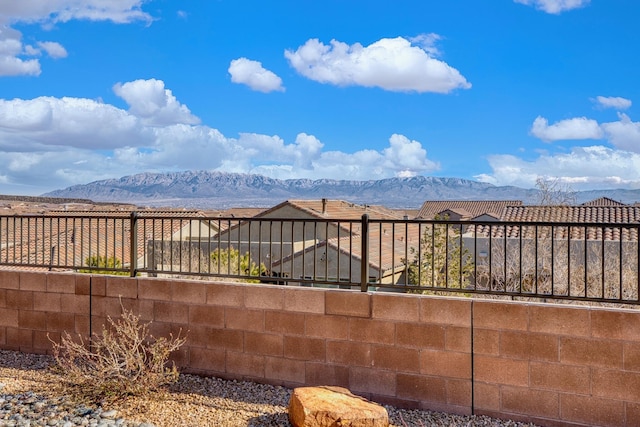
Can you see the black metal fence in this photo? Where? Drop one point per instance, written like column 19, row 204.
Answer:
column 574, row 261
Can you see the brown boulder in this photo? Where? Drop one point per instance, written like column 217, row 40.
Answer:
column 334, row 407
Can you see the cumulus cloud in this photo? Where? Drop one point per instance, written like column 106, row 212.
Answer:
column 574, row 128
column 594, row 167
column 50, row 143
column 155, row 105
column 391, row 64
column 623, row 134
column 53, row 49
column 252, row 74
column 612, row 102
column 554, row 7
column 42, row 11
column 17, row 59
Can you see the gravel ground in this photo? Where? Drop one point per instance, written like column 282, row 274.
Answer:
column 30, row 395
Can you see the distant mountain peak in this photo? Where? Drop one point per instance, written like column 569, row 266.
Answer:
column 219, row 190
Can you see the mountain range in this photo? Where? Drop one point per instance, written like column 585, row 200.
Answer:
column 220, row 190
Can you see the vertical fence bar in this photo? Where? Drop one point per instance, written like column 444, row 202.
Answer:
column 364, row 248
column 133, row 245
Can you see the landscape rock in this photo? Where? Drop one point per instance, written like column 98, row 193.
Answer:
column 334, row 407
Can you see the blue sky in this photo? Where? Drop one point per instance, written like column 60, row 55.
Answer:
column 503, row 92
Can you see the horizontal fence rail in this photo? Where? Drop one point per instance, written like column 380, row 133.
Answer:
column 574, row 261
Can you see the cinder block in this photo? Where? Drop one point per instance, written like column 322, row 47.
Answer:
column 486, row 396
column 420, row 335
column 228, row 339
column 619, row 324
column 349, row 353
column 207, row 360
column 560, row 377
column 529, row 346
column 347, row 303
column 61, row 322
column 445, row 364
column 372, row 331
column 399, row 359
column 9, row 279
column 592, row 411
column 245, row 365
column 20, row 339
column 209, row 315
column 403, row 308
column 8, row 317
column 42, row 340
column 244, row 319
column 263, row 344
column 304, row 300
column 459, row 393
column 445, row 311
column 559, row 320
column 190, row 292
column 287, row 370
column 374, row 381
column 264, row 297
column 155, row 289
column 170, row 312
column 497, row 370
column 304, row 348
column 530, row 402
column 34, row 320
column 457, row 338
column 421, row 388
column 83, row 284
column 486, row 341
column 591, row 352
column 19, row 300
column 325, row 374
column 99, row 285
column 331, row 327
column 63, row 283
column 631, row 356
column 46, row 301
column 288, row 323
column 30, row 281
column 500, row 315
column 615, row 384
column 82, row 325
column 225, row 294
column 119, row 286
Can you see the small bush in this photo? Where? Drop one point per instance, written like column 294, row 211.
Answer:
column 125, row 360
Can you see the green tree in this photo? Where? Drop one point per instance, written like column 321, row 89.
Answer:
column 99, row 262
column 230, row 261
column 441, row 260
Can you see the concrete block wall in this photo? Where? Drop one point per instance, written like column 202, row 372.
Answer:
column 547, row 363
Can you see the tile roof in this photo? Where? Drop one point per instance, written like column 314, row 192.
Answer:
column 475, row 208
column 587, row 219
column 69, row 240
column 335, row 209
column 603, row 201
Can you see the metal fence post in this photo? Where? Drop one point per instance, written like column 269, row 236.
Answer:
column 133, row 244
column 364, row 257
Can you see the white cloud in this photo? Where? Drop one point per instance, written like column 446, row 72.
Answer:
column 53, row 49
column 594, row 167
column 15, row 58
column 118, row 11
column 575, row 128
column 613, row 102
column 50, row 143
column 390, row 64
column 624, row 134
column 155, row 105
column 554, row 6
column 252, row 74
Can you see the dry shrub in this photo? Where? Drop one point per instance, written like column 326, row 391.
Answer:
column 124, row 360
